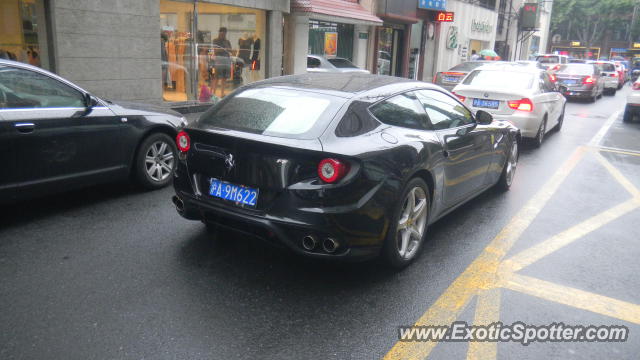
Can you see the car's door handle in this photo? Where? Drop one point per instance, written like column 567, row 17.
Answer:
column 25, row 128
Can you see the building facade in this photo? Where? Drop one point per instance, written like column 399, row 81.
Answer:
column 148, row 50
column 515, row 43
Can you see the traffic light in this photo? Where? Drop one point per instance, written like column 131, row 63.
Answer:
column 529, row 16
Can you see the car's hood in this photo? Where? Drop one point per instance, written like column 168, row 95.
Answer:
column 135, row 108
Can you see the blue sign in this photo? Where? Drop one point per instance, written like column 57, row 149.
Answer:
column 433, row 4
column 618, row 50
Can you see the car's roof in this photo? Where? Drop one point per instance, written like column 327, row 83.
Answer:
column 511, row 67
column 19, row 64
column 340, row 84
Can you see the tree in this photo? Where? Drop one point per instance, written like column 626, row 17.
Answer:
column 589, row 20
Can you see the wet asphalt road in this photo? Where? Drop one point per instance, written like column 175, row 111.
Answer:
column 110, row 272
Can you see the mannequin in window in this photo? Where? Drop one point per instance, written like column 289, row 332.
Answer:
column 255, row 58
column 222, row 60
column 244, row 53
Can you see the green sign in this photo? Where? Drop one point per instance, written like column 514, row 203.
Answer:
column 363, row 36
column 452, row 38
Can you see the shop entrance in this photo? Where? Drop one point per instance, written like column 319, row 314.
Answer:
column 390, row 45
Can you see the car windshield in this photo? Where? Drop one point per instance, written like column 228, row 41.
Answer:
column 575, row 69
column 548, row 59
column 467, row 66
column 606, row 67
column 341, row 63
column 514, row 80
column 274, row 112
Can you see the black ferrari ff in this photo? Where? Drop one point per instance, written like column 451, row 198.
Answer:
column 339, row 165
column 55, row 136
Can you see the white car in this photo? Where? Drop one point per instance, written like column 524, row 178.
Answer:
column 633, row 103
column 610, row 74
column 523, row 95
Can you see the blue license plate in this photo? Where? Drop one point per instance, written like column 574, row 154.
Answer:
column 569, row 82
column 239, row 194
column 452, row 79
column 489, row 104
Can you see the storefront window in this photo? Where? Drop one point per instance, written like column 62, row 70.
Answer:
column 389, row 53
column 208, row 50
column 331, row 39
column 23, row 32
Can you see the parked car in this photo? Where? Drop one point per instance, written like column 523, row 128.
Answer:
column 577, row 61
column 55, row 136
column 610, row 75
column 317, row 63
column 632, row 109
column 531, row 63
column 450, row 78
column 623, row 73
column 343, row 166
column 523, row 96
column 580, row 81
column 552, row 61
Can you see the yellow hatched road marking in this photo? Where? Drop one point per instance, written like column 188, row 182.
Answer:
column 576, row 298
column 482, row 271
column 487, row 312
column 618, row 175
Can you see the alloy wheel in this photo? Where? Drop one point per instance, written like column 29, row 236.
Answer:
column 541, row 131
column 159, row 161
column 412, row 223
column 512, row 163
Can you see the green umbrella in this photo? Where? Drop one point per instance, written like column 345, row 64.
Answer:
column 488, row 52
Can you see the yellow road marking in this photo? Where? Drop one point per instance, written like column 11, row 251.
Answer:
column 482, row 271
column 558, row 241
column 618, row 175
column 576, row 298
column 618, row 151
column 487, row 312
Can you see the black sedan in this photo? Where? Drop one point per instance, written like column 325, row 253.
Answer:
column 55, row 136
column 339, row 165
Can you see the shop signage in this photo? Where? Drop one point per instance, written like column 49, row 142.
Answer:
column 363, row 36
column 452, row 37
column 636, row 45
column 330, row 43
column 575, row 43
column 618, row 50
column 481, row 26
column 444, row 16
column 432, row 4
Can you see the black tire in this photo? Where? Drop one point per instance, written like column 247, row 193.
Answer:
column 509, row 168
column 140, row 164
column 390, row 252
column 613, row 92
column 593, row 98
column 560, row 119
column 539, row 139
column 628, row 115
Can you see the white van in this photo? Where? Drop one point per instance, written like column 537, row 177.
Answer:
column 552, row 60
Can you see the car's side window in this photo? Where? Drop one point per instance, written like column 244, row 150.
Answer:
column 545, row 83
column 444, row 112
column 313, row 62
column 401, row 110
column 26, row 89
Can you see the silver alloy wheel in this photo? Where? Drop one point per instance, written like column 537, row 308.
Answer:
column 512, row 163
column 412, row 223
column 541, row 131
column 159, row 161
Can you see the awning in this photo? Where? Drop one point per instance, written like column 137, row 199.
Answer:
column 343, row 11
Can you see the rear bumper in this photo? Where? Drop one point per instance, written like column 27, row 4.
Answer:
column 528, row 123
column 611, row 83
column 359, row 230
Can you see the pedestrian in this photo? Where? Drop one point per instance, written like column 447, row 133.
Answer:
column 474, row 56
column 222, row 60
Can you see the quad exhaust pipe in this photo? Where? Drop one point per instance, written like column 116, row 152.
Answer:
column 309, row 242
column 178, row 203
column 330, row 245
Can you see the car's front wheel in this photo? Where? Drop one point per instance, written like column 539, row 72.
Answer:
column 155, row 161
column 407, row 233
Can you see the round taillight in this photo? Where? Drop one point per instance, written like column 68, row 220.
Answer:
column 332, row 170
column 183, row 141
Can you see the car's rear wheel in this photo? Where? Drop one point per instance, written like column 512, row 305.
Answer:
column 539, row 139
column 406, row 234
column 155, row 161
column 561, row 119
column 509, row 169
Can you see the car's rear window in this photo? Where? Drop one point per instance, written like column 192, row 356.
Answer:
column 341, row 63
column 606, row 67
column 275, row 112
column 548, row 59
column 467, row 66
column 514, row 80
column 575, row 69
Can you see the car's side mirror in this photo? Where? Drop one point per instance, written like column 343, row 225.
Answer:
column 483, row 117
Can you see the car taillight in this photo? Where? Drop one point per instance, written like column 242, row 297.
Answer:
column 553, row 78
column 460, row 97
column 522, row 104
column 636, row 86
column 183, row 141
column 557, row 67
column 588, row 80
column 332, row 170
column 614, row 75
